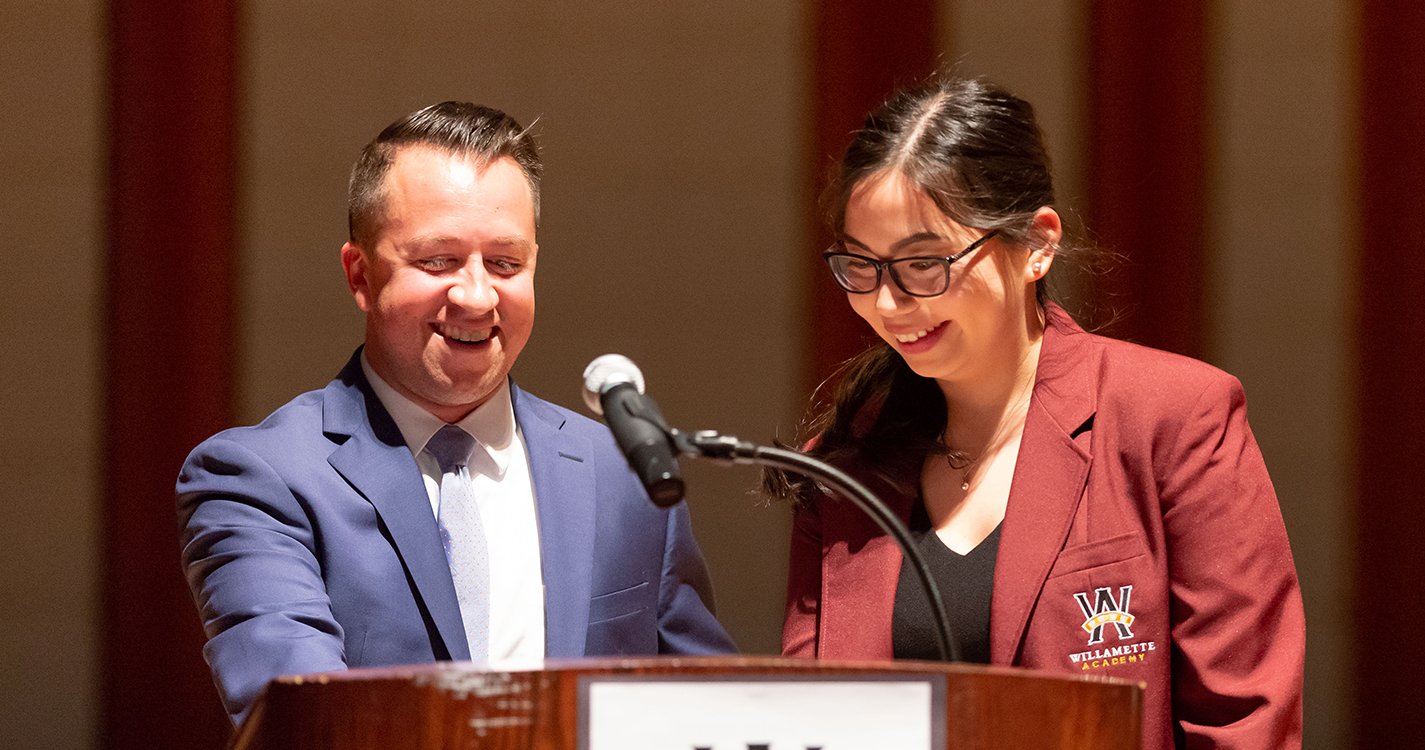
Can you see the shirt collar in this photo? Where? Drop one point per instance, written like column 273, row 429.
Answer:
column 492, row 424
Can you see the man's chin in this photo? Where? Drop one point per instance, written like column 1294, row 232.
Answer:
column 447, row 401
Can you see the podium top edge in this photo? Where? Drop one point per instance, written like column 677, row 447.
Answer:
column 666, row 665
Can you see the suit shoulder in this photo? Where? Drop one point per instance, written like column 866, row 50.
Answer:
column 1172, row 372
column 1150, row 384
column 1118, row 365
column 282, row 434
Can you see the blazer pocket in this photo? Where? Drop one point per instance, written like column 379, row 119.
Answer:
column 619, row 603
column 1097, row 554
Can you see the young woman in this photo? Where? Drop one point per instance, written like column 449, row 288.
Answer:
column 1088, row 506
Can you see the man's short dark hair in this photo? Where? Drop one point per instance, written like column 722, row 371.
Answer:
column 458, row 128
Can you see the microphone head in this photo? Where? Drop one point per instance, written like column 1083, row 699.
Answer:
column 606, row 372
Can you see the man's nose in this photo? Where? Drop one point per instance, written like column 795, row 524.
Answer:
column 472, row 289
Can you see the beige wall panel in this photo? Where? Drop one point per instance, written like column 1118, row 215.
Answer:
column 1037, row 50
column 51, row 152
column 672, row 141
column 1282, row 235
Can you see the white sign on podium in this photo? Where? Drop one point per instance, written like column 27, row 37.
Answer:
column 802, row 712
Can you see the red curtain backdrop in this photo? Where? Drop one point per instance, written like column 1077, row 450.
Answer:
column 863, row 50
column 169, row 319
column 1146, row 182
column 1390, row 566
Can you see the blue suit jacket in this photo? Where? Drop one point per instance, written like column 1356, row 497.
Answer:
column 309, row 544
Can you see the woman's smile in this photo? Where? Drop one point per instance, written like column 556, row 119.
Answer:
column 917, row 340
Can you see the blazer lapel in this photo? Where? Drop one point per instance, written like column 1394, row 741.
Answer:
column 560, row 465
column 374, row 459
column 860, row 570
column 1049, row 480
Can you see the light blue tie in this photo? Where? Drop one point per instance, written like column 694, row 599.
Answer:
column 463, row 535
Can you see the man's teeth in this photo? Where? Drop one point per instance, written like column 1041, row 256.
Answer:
column 906, row 338
column 469, row 337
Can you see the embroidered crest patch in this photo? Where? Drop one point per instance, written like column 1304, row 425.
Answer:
column 1105, row 610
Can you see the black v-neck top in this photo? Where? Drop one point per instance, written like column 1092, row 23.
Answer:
column 966, row 583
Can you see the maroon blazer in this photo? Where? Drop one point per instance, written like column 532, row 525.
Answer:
column 1142, row 540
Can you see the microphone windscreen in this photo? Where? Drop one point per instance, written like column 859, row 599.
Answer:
column 605, row 372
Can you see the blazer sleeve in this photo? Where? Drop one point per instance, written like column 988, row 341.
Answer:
column 247, row 553
column 1238, row 627
column 801, row 623
column 687, row 624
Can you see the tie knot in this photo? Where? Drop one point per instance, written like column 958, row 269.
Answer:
column 451, row 446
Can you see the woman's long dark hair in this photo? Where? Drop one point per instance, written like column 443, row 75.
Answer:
column 977, row 152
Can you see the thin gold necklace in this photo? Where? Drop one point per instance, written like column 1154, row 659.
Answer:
column 961, row 462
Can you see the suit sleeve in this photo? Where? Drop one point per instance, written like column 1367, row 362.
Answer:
column 803, row 614
column 686, row 621
column 1238, row 627
column 247, row 553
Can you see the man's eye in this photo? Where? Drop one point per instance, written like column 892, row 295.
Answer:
column 434, row 265
column 858, row 264
column 504, row 267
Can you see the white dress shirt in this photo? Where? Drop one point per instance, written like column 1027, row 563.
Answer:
column 499, row 475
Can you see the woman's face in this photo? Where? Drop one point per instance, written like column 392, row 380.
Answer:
column 984, row 319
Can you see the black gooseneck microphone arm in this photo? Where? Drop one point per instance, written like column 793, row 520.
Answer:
column 728, row 449
column 613, row 387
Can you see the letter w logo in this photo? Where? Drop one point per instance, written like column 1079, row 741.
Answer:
column 1106, row 611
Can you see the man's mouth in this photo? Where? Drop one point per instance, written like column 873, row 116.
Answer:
column 465, row 335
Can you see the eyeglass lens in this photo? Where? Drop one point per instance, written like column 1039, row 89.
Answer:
column 919, row 276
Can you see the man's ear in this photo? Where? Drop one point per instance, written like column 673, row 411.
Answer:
column 1045, row 231
column 357, row 267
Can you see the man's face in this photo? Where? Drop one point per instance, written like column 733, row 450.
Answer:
column 448, row 288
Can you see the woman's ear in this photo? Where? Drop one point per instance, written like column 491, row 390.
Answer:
column 1044, row 232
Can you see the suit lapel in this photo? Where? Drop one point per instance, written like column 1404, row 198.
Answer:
column 376, row 462
column 561, row 467
column 1049, row 480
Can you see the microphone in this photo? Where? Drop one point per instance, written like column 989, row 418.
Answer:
column 613, row 387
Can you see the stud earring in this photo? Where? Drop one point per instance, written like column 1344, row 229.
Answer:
column 1037, row 267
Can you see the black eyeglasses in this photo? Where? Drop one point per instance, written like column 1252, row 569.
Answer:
column 919, row 277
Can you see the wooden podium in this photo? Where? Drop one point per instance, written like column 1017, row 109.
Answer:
column 453, row 706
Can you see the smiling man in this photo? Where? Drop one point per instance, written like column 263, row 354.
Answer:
column 422, row 507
